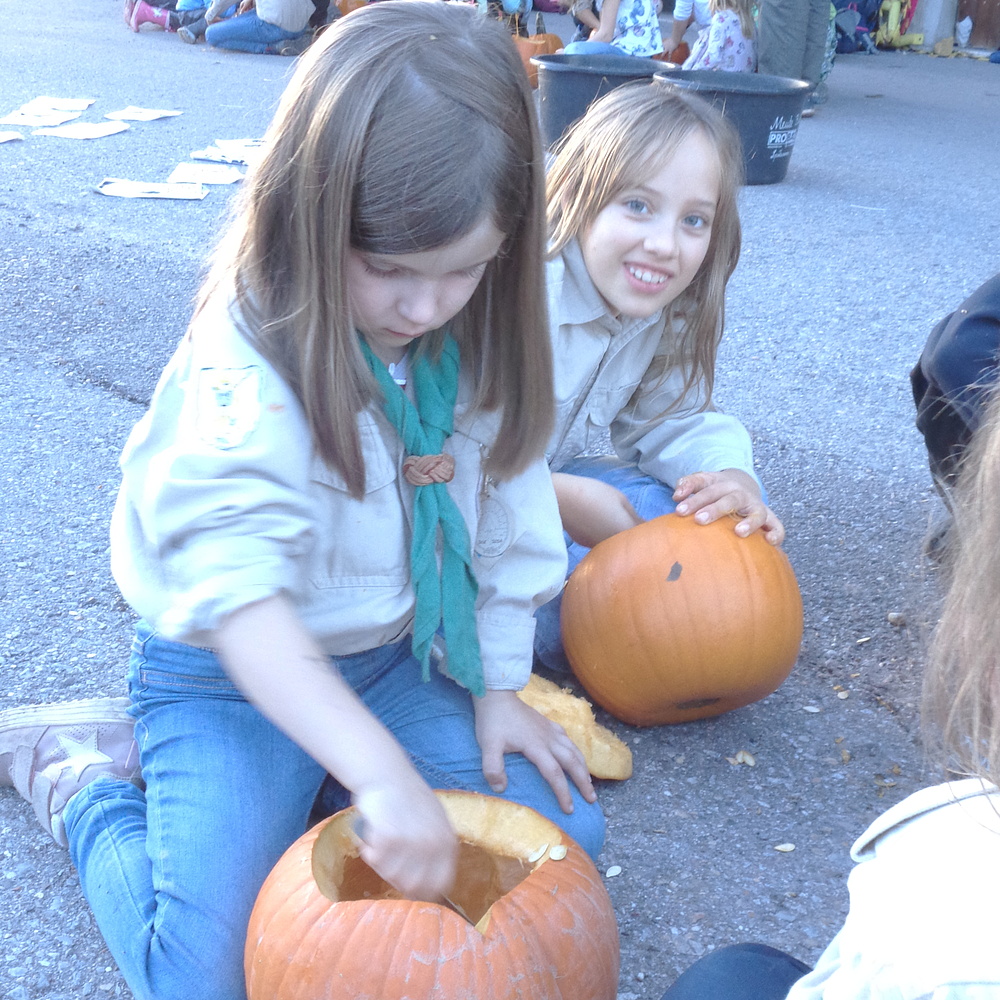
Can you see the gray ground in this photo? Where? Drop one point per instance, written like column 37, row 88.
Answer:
column 886, row 221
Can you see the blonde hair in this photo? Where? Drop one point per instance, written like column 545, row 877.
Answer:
column 743, row 8
column 962, row 681
column 406, row 123
column 622, row 139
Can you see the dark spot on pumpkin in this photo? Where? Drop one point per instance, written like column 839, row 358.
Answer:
column 686, row 706
column 675, row 572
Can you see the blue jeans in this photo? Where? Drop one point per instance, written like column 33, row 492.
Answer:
column 586, row 48
column 172, row 873
column 649, row 496
column 739, row 972
column 247, row 33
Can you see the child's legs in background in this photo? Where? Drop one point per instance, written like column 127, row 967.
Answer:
column 247, row 33
column 435, row 723
column 648, row 496
column 172, row 874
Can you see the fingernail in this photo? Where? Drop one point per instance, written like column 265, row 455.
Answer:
column 497, row 787
column 682, row 508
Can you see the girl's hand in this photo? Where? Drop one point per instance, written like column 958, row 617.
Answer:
column 711, row 495
column 592, row 510
column 406, row 837
column 505, row 724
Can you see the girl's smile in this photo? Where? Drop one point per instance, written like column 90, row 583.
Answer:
column 645, row 246
column 396, row 298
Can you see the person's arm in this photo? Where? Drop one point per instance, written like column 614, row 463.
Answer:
column 608, row 23
column 677, row 32
column 592, row 510
column 277, row 665
column 587, row 17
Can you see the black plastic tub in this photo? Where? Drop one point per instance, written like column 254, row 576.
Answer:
column 765, row 109
column 569, row 84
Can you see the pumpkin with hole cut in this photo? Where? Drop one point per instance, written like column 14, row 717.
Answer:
column 542, row 44
column 540, row 923
column 673, row 621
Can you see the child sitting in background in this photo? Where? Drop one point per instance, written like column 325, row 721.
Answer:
column 644, row 234
column 729, row 40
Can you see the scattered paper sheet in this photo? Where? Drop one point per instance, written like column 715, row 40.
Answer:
column 39, row 104
column 244, row 151
column 206, row 173
column 41, row 120
column 134, row 114
column 10, row 136
column 84, row 130
column 119, row 188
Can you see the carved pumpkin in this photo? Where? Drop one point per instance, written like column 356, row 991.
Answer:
column 326, row 927
column 536, row 45
column 672, row 620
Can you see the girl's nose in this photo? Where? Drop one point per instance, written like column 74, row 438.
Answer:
column 418, row 305
column 662, row 240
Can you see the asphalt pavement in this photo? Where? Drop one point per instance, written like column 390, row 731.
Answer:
column 887, row 219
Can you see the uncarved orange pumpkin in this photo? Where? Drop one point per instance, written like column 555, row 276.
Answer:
column 542, row 44
column 346, row 6
column 673, row 621
column 326, row 927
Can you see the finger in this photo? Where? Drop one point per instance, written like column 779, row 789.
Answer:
column 774, row 530
column 689, row 484
column 752, row 520
column 494, row 771
column 551, row 770
column 575, row 765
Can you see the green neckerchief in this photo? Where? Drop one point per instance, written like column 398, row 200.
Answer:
column 448, row 599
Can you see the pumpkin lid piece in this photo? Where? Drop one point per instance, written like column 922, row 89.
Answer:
column 606, row 755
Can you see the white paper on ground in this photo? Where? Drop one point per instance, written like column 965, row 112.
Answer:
column 10, row 136
column 40, row 104
column 120, row 188
column 84, row 130
column 40, row 120
column 206, row 173
column 134, row 114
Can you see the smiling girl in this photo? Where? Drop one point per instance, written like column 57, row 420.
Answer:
column 644, row 235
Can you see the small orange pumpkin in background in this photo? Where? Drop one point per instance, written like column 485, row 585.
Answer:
column 673, row 621
column 542, row 44
column 326, row 927
column 346, row 6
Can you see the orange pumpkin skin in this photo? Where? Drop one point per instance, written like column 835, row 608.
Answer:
column 536, row 45
column 346, row 6
column 673, row 621
column 551, row 936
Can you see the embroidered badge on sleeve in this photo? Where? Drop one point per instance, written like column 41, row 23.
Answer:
column 228, row 404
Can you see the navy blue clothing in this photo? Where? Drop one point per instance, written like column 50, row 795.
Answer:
column 739, row 972
column 952, row 380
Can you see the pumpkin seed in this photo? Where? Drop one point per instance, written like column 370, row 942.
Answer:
column 558, row 852
column 784, row 848
column 535, row 855
column 613, row 871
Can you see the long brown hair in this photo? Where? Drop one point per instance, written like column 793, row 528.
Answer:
column 622, row 139
column 962, row 680
column 404, row 125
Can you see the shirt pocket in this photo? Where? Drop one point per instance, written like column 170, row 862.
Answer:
column 361, row 543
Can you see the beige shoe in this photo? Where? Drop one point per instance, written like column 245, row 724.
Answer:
column 49, row 752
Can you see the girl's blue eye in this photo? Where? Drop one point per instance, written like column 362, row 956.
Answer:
column 696, row 221
column 636, row 205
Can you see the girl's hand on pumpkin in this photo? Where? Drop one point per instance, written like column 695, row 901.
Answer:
column 505, row 724
column 406, row 837
column 713, row 495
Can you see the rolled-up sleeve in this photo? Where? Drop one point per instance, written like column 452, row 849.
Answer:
column 515, row 582
column 668, row 445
